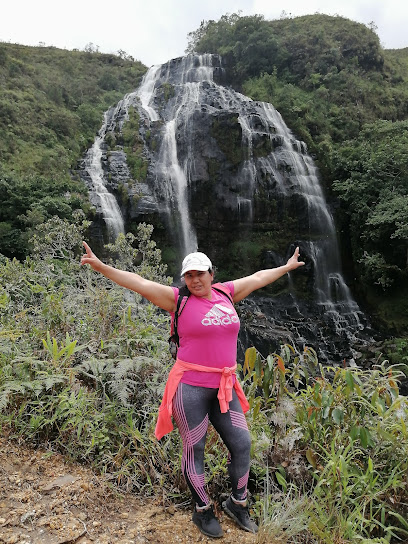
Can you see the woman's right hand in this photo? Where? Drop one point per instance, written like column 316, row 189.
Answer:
column 158, row 294
column 90, row 258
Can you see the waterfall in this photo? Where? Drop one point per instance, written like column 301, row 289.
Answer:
column 181, row 105
column 146, row 90
column 99, row 194
column 169, row 171
column 172, row 177
column 331, row 290
column 288, row 164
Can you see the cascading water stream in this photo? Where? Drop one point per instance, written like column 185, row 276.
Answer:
column 146, row 90
column 99, row 194
column 331, row 290
column 171, row 176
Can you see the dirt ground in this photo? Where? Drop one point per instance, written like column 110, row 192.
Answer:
column 46, row 500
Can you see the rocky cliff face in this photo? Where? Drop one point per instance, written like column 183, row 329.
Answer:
column 212, row 169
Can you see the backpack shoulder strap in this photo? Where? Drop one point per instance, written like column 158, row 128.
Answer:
column 184, row 293
column 221, row 288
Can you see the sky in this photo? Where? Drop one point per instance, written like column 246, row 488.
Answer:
column 156, row 31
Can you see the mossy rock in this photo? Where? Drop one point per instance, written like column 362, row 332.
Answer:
column 228, row 133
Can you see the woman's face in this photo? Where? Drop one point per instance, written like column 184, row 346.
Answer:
column 199, row 283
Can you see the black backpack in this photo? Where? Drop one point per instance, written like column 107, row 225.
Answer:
column 184, row 293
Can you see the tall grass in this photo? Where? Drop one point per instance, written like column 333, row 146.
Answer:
column 340, row 440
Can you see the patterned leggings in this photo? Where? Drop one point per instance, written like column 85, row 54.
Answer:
column 193, row 408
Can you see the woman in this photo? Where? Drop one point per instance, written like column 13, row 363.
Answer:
column 202, row 387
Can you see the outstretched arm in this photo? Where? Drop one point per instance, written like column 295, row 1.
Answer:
column 244, row 286
column 158, row 294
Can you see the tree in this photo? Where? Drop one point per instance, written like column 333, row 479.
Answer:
column 372, row 182
column 390, row 220
column 58, row 238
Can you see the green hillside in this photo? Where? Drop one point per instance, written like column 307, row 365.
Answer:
column 51, row 107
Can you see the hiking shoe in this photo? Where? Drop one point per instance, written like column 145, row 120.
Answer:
column 207, row 523
column 240, row 514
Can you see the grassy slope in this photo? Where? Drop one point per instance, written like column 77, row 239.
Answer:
column 52, row 102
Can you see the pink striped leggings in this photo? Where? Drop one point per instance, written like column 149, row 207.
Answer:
column 193, row 408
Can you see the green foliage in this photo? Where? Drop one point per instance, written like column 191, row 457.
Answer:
column 228, row 133
column 28, row 201
column 83, row 365
column 51, row 106
column 168, row 91
column 330, row 74
column 144, row 259
column 248, row 42
column 372, row 183
column 133, row 145
column 52, row 102
column 349, row 427
column 397, row 351
column 318, row 45
column 81, row 361
column 58, row 238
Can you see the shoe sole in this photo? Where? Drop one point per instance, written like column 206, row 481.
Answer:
column 205, row 533
column 234, row 517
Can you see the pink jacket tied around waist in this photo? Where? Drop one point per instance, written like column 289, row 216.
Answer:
column 164, row 424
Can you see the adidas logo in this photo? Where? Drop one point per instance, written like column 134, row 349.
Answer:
column 220, row 315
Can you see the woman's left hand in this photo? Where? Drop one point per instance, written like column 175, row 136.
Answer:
column 294, row 262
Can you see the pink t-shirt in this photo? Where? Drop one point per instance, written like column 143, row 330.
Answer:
column 208, row 331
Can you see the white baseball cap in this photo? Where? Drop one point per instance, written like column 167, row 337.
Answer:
column 195, row 261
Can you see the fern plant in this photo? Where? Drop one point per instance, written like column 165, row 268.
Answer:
column 25, row 379
column 130, row 381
